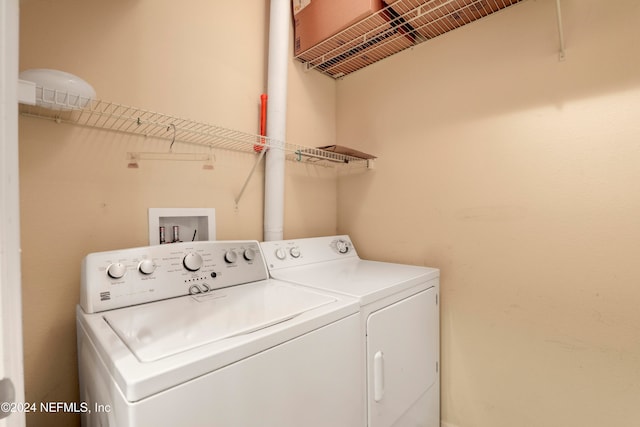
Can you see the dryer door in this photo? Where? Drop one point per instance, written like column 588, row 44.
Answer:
column 402, row 346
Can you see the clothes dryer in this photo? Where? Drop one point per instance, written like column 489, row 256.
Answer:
column 196, row 334
column 399, row 323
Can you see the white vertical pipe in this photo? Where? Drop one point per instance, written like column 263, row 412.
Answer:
column 279, row 21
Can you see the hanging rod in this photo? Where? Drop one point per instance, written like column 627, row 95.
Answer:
column 134, row 157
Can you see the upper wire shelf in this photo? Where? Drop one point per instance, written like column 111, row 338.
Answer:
column 64, row 108
column 399, row 26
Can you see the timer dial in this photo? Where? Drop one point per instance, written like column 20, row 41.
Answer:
column 192, row 261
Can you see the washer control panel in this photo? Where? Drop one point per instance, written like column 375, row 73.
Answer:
column 292, row 253
column 121, row 278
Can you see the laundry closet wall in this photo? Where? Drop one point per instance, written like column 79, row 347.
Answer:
column 198, row 59
column 519, row 176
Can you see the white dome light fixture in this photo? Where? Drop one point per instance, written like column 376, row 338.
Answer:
column 59, row 90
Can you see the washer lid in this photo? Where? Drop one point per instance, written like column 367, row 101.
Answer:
column 165, row 328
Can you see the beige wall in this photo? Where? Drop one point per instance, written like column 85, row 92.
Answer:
column 518, row 176
column 511, row 171
column 202, row 60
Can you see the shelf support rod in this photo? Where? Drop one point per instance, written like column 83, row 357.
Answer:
column 253, row 169
column 560, row 31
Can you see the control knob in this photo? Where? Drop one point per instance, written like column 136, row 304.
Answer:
column 146, row 266
column 230, row 256
column 249, row 254
column 281, row 254
column 116, row 270
column 192, row 261
column 295, row 252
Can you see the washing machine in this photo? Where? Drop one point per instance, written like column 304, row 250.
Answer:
column 196, row 334
column 399, row 323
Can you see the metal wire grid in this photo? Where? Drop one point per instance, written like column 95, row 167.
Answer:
column 402, row 24
column 135, row 121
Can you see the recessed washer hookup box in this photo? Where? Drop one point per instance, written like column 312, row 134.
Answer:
column 193, row 224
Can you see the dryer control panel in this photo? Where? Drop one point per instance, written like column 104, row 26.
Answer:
column 121, row 278
column 293, row 253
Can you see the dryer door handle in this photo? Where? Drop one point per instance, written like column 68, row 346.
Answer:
column 378, row 376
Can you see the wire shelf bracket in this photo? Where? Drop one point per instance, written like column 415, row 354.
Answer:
column 561, row 54
column 246, row 181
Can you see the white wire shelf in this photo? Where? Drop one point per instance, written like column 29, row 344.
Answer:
column 114, row 117
column 401, row 25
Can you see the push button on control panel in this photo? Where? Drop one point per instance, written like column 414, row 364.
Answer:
column 342, row 246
